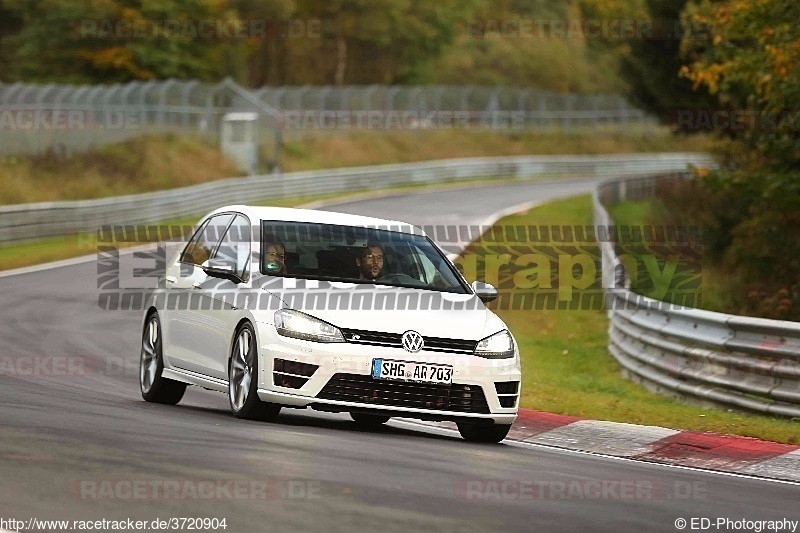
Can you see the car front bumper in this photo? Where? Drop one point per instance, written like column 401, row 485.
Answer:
column 341, row 382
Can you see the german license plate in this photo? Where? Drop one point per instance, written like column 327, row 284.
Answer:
column 407, row 371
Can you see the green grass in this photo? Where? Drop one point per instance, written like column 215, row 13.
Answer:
column 307, row 151
column 567, row 368
column 142, row 164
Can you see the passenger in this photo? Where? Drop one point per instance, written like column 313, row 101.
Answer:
column 276, row 256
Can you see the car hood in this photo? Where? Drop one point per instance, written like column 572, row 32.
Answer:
column 395, row 310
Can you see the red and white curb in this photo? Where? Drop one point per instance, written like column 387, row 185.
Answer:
column 709, row 451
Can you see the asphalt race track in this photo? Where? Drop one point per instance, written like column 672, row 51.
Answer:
column 77, row 442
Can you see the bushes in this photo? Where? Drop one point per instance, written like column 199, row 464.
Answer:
column 751, row 227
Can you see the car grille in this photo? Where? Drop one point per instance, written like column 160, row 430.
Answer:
column 365, row 389
column 433, row 344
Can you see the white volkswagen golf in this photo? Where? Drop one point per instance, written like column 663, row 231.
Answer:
column 341, row 313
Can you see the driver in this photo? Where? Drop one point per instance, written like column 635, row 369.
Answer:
column 370, row 263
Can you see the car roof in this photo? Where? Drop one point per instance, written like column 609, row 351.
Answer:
column 290, row 214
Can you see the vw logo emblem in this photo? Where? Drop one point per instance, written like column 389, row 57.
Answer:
column 412, row 341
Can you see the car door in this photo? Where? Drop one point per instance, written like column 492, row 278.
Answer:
column 224, row 299
column 187, row 324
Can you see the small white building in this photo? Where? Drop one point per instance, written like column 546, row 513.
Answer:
column 239, row 139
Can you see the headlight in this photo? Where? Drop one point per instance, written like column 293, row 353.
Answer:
column 497, row 346
column 290, row 323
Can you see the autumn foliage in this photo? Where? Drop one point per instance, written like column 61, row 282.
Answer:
column 746, row 54
column 316, row 42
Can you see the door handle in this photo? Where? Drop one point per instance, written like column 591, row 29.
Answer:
column 197, row 285
column 171, row 279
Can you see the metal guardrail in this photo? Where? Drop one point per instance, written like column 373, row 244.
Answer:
column 52, row 219
column 715, row 358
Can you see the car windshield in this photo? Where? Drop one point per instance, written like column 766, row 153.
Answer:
column 356, row 255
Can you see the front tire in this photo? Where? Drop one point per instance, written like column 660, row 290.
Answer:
column 483, row 433
column 243, row 379
column 154, row 387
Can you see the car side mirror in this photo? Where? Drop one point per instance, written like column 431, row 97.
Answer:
column 221, row 268
column 487, row 293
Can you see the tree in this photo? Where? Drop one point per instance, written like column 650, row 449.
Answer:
column 10, row 24
column 82, row 41
column 268, row 60
column 378, row 41
column 746, row 55
column 652, row 67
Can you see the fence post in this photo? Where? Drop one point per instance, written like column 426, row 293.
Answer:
column 188, row 88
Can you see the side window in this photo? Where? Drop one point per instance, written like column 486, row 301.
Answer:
column 202, row 245
column 426, row 265
column 432, row 268
column 235, row 245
